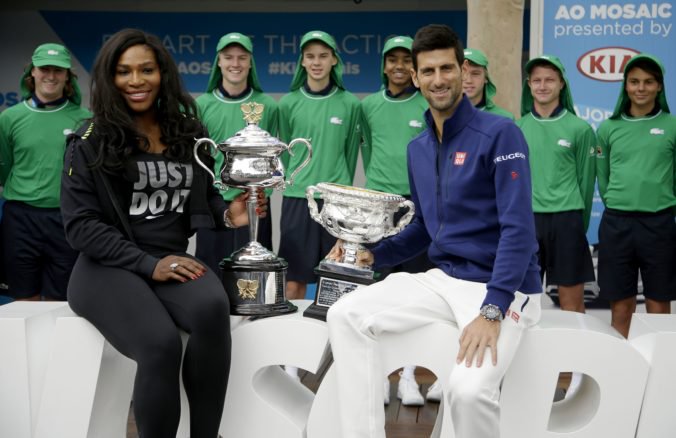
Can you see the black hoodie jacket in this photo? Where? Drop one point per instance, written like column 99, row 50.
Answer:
column 93, row 224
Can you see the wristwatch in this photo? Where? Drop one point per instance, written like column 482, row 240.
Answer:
column 491, row 312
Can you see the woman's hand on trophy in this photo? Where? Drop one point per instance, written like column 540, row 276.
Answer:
column 237, row 215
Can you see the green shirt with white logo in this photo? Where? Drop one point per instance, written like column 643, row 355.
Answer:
column 32, row 144
column 223, row 118
column 332, row 125
column 636, row 162
column 389, row 125
column 561, row 154
column 494, row 109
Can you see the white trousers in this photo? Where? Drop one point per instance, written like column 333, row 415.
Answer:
column 404, row 302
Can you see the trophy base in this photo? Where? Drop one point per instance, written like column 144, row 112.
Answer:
column 256, row 288
column 331, row 286
column 265, row 310
column 345, row 269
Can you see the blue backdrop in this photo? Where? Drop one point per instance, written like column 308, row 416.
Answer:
column 192, row 38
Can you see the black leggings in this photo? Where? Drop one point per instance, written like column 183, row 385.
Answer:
column 141, row 319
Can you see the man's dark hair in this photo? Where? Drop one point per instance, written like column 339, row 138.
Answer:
column 114, row 123
column 434, row 37
column 649, row 66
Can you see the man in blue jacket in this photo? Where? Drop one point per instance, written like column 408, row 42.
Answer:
column 470, row 182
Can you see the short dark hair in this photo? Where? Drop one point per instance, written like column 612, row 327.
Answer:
column 434, row 37
column 649, row 66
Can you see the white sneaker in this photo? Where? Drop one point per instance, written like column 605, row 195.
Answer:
column 434, row 392
column 408, row 392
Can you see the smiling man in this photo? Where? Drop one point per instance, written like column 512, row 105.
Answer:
column 470, row 183
column 636, row 164
column 233, row 81
column 32, row 143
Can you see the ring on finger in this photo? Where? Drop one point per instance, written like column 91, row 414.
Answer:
column 173, row 266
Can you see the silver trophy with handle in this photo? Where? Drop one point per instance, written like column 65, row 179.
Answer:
column 357, row 216
column 254, row 277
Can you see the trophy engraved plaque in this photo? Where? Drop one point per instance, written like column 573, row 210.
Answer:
column 357, row 216
column 253, row 276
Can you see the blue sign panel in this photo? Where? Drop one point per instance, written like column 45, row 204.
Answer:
column 192, row 39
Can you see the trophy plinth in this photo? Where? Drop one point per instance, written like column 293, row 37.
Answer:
column 356, row 216
column 256, row 288
column 253, row 276
column 331, row 286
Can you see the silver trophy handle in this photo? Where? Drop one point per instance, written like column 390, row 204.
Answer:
column 405, row 219
column 217, row 182
column 312, row 204
column 304, row 163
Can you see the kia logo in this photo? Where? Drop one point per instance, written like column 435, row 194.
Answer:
column 606, row 63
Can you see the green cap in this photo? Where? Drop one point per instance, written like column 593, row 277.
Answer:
column 233, row 38
column 300, row 75
column 623, row 99
column 396, row 42
column 51, row 54
column 566, row 97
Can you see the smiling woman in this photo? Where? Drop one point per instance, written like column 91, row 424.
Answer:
column 131, row 198
column 137, row 76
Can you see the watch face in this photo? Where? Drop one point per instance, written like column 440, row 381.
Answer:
column 491, row 312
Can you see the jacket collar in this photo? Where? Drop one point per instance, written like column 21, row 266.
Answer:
column 463, row 114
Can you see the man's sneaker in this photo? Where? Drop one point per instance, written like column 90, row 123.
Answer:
column 386, row 387
column 434, row 392
column 408, row 392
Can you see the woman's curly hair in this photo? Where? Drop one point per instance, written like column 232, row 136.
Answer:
column 114, row 124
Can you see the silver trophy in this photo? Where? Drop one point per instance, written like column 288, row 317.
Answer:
column 252, row 161
column 357, row 216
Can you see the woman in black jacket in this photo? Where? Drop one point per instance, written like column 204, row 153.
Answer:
column 131, row 197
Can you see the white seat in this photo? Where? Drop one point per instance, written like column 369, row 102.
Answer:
column 263, row 401
column 607, row 404
column 88, row 385
column 59, row 378
column 26, row 334
column 654, row 336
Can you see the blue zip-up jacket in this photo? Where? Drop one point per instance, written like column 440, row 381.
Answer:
column 472, row 194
